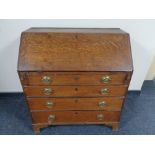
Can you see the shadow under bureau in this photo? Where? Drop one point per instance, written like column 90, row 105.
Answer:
column 75, row 75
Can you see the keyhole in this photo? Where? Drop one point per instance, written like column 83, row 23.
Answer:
column 76, row 89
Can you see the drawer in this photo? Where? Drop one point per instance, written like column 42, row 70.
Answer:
column 52, row 104
column 90, row 78
column 74, row 91
column 73, row 117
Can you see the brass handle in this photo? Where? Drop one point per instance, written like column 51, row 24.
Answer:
column 49, row 104
column 47, row 91
column 105, row 79
column 46, row 79
column 102, row 104
column 104, row 91
column 51, row 118
column 100, row 117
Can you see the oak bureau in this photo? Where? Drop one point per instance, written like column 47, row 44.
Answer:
column 75, row 75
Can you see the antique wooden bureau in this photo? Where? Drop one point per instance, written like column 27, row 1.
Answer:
column 75, row 75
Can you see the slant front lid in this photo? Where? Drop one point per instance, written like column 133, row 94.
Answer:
column 65, row 49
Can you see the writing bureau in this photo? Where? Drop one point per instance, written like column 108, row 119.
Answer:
column 75, row 75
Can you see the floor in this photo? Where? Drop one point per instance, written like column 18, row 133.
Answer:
column 138, row 117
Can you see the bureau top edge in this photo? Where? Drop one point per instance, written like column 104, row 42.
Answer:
column 73, row 71
column 73, row 30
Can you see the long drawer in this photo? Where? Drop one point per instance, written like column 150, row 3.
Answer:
column 73, row 117
column 62, row 78
column 52, row 104
column 74, row 91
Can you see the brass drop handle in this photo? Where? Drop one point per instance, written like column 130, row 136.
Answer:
column 102, row 104
column 104, row 91
column 105, row 79
column 100, row 117
column 49, row 104
column 46, row 79
column 47, row 91
column 51, row 118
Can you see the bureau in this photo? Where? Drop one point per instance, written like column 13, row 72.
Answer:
column 75, row 75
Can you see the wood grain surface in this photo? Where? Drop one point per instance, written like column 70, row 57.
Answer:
column 74, row 91
column 111, row 104
column 75, row 60
column 77, row 78
column 72, row 117
column 76, row 51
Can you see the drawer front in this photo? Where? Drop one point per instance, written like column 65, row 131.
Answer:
column 52, row 104
column 73, row 117
column 76, row 78
column 74, row 91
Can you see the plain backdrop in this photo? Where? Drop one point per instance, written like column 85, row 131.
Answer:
column 142, row 35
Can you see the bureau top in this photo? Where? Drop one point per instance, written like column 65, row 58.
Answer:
column 76, row 30
column 75, row 49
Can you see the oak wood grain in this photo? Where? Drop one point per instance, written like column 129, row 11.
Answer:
column 72, row 117
column 59, row 104
column 77, row 78
column 75, row 60
column 74, row 91
column 76, row 51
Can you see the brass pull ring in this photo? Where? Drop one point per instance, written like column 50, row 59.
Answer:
column 47, row 91
column 51, row 118
column 102, row 104
column 100, row 117
column 46, row 79
column 105, row 79
column 104, row 91
column 49, row 104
